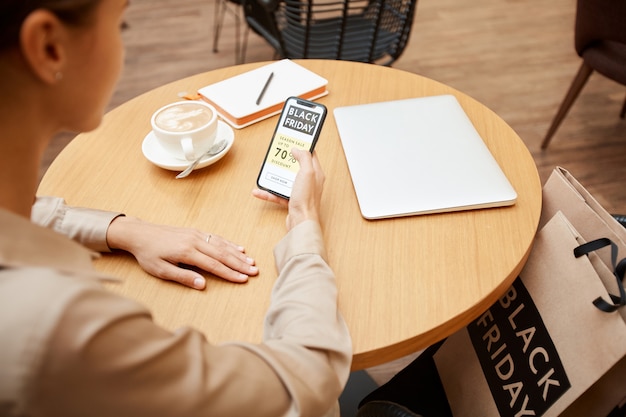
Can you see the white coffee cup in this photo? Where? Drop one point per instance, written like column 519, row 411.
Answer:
column 185, row 129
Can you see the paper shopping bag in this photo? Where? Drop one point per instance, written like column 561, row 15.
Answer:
column 541, row 348
column 562, row 192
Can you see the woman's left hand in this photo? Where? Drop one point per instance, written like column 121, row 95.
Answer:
column 161, row 250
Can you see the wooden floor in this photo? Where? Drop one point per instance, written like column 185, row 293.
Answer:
column 514, row 56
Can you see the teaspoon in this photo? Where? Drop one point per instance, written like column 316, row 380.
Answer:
column 213, row 150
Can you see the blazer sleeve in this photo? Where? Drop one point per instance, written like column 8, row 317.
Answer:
column 86, row 226
column 107, row 357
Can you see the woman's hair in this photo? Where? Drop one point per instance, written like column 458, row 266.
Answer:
column 13, row 13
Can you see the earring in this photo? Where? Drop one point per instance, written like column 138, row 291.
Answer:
column 58, row 75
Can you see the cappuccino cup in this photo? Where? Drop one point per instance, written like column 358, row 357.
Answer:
column 185, row 129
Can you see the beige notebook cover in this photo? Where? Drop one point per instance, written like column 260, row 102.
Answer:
column 235, row 98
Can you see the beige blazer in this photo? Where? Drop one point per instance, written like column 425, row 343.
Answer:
column 71, row 348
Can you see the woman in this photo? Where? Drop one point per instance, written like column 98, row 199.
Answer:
column 34, row 82
column 69, row 347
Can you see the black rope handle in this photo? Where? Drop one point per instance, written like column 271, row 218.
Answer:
column 619, row 269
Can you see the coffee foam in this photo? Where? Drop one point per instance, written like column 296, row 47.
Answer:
column 183, row 117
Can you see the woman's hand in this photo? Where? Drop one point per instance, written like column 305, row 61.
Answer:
column 161, row 250
column 306, row 194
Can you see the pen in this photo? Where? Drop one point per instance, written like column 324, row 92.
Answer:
column 267, row 83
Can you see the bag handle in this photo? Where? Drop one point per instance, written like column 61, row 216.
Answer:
column 619, row 269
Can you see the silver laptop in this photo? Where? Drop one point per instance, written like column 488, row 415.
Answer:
column 419, row 156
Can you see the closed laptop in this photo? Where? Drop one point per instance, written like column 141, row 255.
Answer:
column 419, row 156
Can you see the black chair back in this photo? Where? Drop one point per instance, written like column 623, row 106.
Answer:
column 374, row 31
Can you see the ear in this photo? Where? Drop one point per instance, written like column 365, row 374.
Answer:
column 42, row 41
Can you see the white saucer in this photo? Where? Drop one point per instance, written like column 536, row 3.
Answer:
column 153, row 151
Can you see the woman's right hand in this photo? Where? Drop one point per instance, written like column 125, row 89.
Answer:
column 306, row 194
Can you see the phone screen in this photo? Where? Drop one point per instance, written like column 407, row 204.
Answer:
column 299, row 126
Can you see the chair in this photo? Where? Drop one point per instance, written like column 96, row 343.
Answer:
column 233, row 7
column 374, row 31
column 415, row 391
column 600, row 40
column 384, row 409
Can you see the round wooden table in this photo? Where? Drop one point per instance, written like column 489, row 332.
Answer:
column 404, row 283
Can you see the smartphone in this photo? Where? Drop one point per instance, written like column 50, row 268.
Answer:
column 299, row 126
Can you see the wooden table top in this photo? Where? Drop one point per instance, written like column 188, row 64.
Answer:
column 404, row 283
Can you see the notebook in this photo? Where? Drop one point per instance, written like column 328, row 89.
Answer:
column 235, row 98
column 419, row 156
